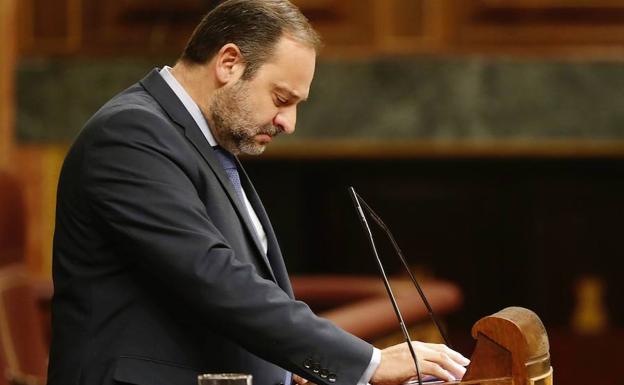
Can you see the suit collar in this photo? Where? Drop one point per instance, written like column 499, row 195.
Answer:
column 189, row 104
column 168, row 100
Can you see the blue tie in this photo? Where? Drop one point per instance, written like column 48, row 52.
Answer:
column 229, row 164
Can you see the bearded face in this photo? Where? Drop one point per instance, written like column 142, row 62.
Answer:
column 233, row 123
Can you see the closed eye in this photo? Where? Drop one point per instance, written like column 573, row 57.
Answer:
column 280, row 101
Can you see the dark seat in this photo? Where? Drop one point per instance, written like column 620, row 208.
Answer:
column 23, row 345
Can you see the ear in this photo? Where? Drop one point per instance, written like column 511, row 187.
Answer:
column 229, row 64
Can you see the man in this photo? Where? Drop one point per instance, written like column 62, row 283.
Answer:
column 165, row 262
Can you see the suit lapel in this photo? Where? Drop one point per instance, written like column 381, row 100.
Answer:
column 160, row 90
column 274, row 253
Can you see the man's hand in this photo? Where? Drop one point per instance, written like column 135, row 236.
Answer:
column 397, row 365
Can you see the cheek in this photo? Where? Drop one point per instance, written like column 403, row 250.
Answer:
column 257, row 100
column 262, row 110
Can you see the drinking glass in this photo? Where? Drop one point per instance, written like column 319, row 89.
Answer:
column 224, row 379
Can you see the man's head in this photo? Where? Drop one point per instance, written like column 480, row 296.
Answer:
column 254, row 26
column 257, row 61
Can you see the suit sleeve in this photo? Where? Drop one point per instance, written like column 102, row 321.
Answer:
column 136, row 177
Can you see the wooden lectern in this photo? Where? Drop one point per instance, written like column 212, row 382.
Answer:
column 512, row 349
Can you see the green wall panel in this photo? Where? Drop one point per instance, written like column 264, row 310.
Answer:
column 400, row 98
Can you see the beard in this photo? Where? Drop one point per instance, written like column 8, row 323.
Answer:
column 232, row 122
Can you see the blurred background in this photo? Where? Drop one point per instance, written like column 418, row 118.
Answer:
column 489, row 135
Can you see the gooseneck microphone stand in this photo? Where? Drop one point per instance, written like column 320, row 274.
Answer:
column 367, row 230
column 385, row 228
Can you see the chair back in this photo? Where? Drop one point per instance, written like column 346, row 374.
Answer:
column 12, row 220
column 23, row 351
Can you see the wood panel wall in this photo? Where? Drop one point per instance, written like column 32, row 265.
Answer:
column 588, row 29
column 7, row 64
column 35, row 166
column 593, row 28
column 531, row 25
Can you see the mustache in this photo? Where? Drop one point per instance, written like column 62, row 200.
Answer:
column 270, row 130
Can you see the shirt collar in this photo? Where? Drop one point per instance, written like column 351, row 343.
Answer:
column 188, row 103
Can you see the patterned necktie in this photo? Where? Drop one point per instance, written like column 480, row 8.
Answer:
column 229, row 164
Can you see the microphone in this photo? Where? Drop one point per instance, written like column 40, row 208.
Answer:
column 386, row 229
column 367, row 230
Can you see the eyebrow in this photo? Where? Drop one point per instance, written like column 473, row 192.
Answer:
column 291, row 94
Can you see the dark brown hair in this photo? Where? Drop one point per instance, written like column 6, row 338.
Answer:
column 255, row 26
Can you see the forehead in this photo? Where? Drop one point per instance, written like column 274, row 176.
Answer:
column 291, row 66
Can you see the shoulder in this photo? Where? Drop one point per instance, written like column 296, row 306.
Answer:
column 133, row 124
column 132, row 114
column 132, row 105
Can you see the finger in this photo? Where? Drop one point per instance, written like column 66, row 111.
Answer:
column 454, row 355
column 443, row 360
column 458, row 357
column 451, row 366
column 436, row 370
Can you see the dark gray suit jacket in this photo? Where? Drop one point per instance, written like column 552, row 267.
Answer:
column 157, row 270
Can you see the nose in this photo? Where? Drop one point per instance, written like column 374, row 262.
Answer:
column 285, row 119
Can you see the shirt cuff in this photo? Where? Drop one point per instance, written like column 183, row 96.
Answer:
column 372, row 367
